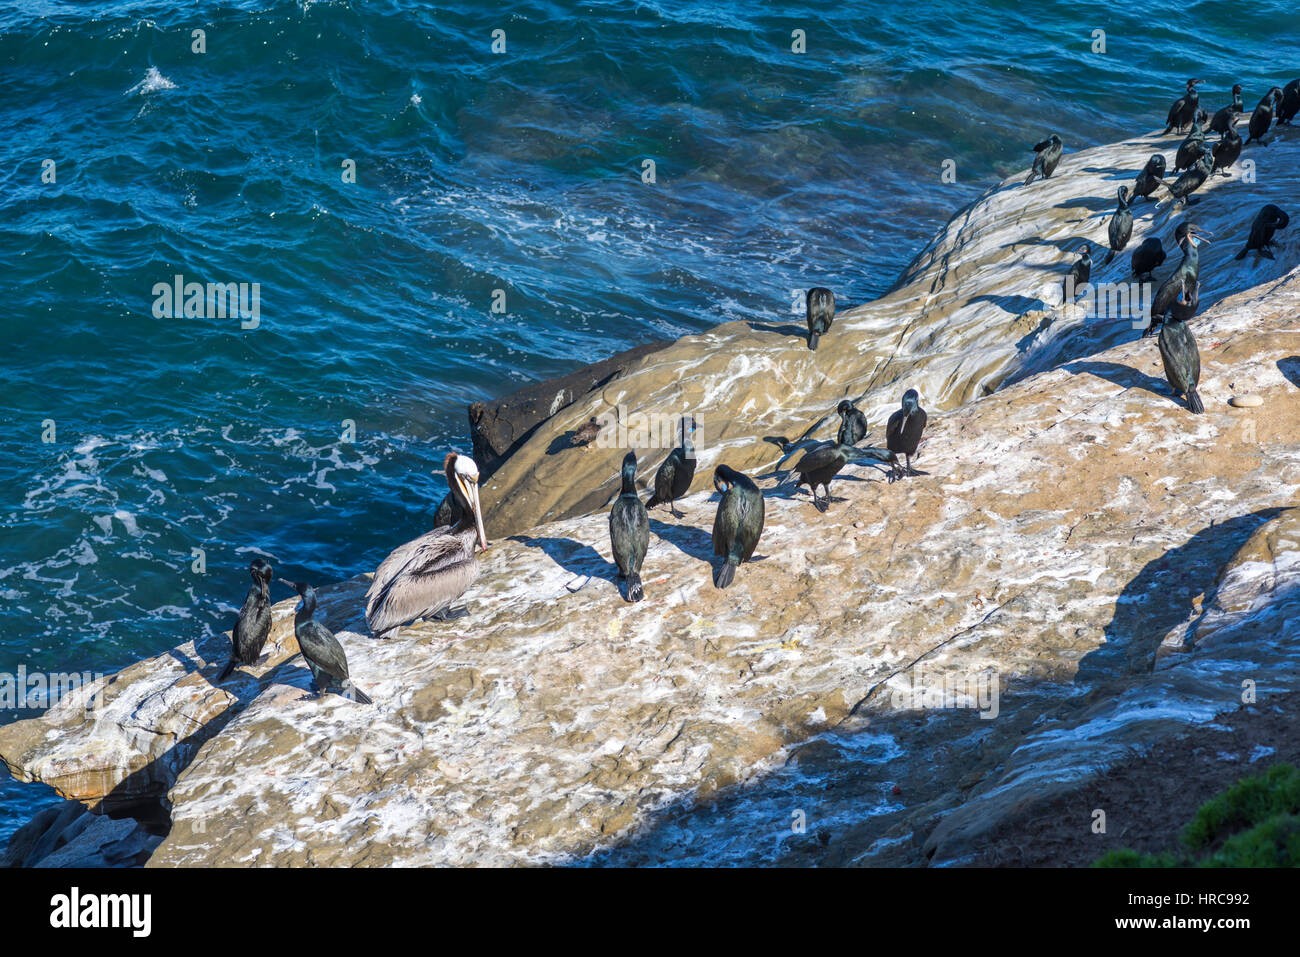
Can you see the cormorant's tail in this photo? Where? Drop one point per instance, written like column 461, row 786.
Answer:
column 653, row 500
column 1030, row 178
column 1242, row 254
column 725, row 573
column 634, row 590
column 1194, row 402
column 869, row 454
column 812, row 340
column 225, row 672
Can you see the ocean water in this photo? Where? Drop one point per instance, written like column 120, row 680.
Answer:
column 129, row 440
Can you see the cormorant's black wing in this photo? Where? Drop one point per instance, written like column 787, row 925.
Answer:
column 320, row 647
column 814, row 460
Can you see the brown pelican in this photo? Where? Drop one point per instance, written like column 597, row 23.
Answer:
column 423, row 577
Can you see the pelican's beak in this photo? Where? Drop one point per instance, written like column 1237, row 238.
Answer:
column 470, row 488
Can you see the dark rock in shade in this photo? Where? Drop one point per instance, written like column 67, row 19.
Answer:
column 68, row 835
column 497, row 428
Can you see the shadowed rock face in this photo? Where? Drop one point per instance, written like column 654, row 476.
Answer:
column 1118, row 564
column 979, row 306
column 498, row 428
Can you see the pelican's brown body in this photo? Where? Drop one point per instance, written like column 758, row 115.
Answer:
column 422, row 578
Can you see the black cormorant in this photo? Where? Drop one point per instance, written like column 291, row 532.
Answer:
column 1270, row 219
column 821, row 464
column 1290, row 105
column 1192, row 179
column 1261, row 119
column 1189, row 150
column 1178, row 352
column 1183, row 110
column 1226, row 151
column 1049, row 154
column 853, row 424
column 1148, row 257
column 738, row 524
column 1226, row 118
column 1120, row 228
column 903, row 433
column 629, row 531
column 1152, row 174
column 320, row 649
column 673, row 480
column 254, row 621
column 1079, row 274
column 1181, row 279
column 820, row 305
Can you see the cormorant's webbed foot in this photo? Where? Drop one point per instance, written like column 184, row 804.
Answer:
column 819, row 503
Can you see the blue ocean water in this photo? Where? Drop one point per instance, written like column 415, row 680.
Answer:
column 475, row 171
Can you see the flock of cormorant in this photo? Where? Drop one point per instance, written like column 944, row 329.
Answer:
column 423, row 578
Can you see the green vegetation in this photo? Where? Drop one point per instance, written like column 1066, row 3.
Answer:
column 1255, row 823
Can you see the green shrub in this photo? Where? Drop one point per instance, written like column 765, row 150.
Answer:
column 1257, row 822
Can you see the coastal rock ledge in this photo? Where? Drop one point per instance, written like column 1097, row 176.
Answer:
column 1118, row 568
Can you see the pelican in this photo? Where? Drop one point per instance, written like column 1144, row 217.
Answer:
column 423, row 577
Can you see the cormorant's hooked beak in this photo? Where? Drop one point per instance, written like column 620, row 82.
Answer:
column 469, row 488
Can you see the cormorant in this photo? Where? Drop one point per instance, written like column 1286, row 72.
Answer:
column 584, row 434
column 320, row 649
column 1226, row 151
column 1189, row 150
column 738, row 524
column 1079, row 274
column 1263, row 116
column 423, row 577
column 1290, row 105
column 1049, row 154
column 853, row 424
column 903, row 433
column 1268, row 221
column 1153, row 173
column 1178, row 352
column 1226, row 118
column 673, row 480
column 820, row 305
column 1148, row 257
column 629, row 531
column 254, row 621
column 1183, row 110
column 1192, row 179
column 1181, row 279
column 1120, row 227
column 821, row 464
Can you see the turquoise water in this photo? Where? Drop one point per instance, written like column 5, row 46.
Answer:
column 474, row 172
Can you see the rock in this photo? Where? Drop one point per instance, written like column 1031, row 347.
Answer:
column 68, row 835
column 1024, row 593
column 498, row 428
column 1246, row 401
column 977, row 308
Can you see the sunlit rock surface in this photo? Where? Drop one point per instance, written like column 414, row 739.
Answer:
column 1115, row 566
